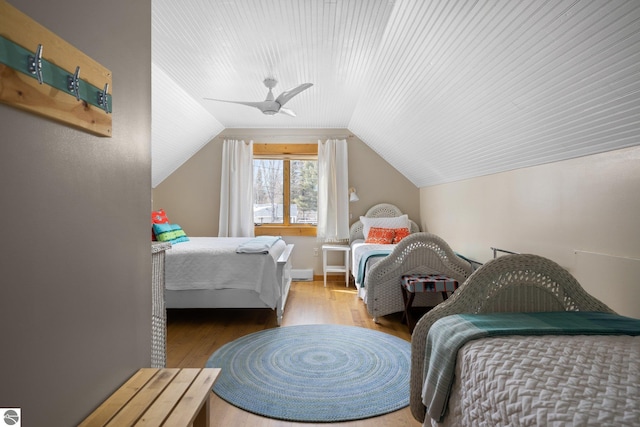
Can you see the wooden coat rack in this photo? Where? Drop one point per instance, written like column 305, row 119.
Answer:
column 43, row 74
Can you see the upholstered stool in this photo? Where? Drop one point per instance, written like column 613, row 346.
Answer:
column 413, row 283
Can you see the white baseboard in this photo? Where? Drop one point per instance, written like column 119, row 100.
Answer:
column 302, row 275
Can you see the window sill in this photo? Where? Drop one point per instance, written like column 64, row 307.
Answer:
column 286, row 230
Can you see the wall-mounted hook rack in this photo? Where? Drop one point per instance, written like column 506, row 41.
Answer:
column 73, row 83
column 35, row 64
column 103, row 98
column 27, row 77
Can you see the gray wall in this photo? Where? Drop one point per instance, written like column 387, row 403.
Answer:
column 75, row 258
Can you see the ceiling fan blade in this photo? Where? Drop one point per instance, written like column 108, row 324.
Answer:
column 267, row 107
column 285, row 96
column 259, row 104
column 270, row 106
column 287, row 112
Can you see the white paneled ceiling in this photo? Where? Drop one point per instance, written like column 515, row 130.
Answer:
column 443, row 90
column 177, row 133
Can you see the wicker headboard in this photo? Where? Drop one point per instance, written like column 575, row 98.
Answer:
column 510, row 283
column 382, row 210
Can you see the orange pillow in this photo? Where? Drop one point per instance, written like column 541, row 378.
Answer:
column 381, row 236
column 400, row 233
column 158, row 217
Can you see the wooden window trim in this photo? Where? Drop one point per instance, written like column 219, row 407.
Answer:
column 282, row 150
column 286, row 152
column 286, row 230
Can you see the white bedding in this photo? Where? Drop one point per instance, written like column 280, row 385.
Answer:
column 359, row 249
column 212, row 263
column 546, row 381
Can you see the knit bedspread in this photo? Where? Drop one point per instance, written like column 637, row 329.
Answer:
column 450, row 333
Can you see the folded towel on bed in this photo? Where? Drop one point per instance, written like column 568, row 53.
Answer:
column 258, row 245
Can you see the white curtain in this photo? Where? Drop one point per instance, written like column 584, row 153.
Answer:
column 236, row 190
column 333, row 191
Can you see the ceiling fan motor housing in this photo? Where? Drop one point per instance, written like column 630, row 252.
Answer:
column 270, row 82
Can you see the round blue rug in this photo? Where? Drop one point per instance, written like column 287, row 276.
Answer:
column 315, row 373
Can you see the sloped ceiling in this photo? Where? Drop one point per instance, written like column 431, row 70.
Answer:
column 443, row 90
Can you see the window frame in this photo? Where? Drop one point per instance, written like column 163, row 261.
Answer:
column 286, row 152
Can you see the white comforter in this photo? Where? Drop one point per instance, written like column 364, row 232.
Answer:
column 546, row 381
column 359, row 249
column 212, row 263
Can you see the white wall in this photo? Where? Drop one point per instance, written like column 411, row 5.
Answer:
column 589, row 204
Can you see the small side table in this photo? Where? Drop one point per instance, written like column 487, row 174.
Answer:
column 413, row 283
column 344, row 268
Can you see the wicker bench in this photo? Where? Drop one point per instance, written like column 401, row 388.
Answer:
column 158, row 397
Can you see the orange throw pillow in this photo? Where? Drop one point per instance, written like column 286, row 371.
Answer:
column 400, row 233
column 381, row 236
column 158, row 217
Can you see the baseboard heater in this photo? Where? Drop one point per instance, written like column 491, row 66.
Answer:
column 302, row 275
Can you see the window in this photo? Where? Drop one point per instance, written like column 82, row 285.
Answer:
column 285, row 189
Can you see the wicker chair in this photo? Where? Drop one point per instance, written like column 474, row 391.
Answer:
column 419, row 253
column 511, row 283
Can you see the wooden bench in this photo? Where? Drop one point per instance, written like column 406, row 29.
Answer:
column 158, row 397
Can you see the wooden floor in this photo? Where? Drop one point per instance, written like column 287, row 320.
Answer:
column 193, row 335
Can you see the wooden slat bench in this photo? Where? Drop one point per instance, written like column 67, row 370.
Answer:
column 158, row 397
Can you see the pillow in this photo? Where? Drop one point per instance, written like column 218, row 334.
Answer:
column 399, row 234
column 381, row 236
column 401, row 221
column 171, row 233
column 159, row 217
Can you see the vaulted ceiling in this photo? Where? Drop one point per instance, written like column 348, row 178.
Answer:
column 443, row 90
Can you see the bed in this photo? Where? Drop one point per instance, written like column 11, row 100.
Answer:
column 547, row 353
column 378, row 268
column 207, row 272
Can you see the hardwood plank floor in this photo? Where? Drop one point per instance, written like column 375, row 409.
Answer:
column 193, row 335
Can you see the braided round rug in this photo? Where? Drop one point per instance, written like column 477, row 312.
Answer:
column 314, row 373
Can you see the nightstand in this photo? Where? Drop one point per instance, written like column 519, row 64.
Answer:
column 344, row 268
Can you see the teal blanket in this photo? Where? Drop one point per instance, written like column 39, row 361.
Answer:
column 362, row 265
column 448, row 334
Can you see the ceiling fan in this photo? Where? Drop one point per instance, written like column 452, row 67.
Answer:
column 271, row 106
